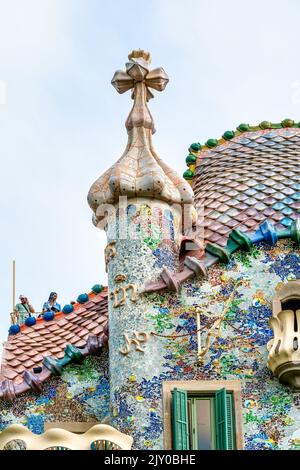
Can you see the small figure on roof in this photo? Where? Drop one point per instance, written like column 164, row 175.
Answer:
column 51, row 305
column 23, row 309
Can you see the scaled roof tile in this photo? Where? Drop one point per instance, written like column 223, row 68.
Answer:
column 266, row 166
column 27, row 349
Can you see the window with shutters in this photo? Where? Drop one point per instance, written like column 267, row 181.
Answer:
column 202, row 415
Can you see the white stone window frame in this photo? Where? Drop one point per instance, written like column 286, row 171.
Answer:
column 202, row 386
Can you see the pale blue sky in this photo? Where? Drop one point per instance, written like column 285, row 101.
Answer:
column 62, row 123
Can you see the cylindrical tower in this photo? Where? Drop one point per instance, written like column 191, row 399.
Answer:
column 139, row 202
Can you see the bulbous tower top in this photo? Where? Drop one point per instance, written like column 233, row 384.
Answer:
column 139, row 172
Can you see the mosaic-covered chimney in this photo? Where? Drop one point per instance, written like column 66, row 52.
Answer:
column 139, row 201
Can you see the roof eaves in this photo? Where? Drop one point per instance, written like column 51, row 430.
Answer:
column 34, row 380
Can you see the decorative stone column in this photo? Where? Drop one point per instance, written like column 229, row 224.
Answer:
column 284, row 348
column 139, row 203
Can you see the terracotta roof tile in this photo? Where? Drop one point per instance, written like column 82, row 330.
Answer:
column 89, row 314
column 86, row 322
column 34, row 334
column 102, row 319
column 72, row 327
column 50, row 323
column 54, row 327
column 46, row 354
column 62, row 322
column 96, row 300
column 18, row 380
column 10, row 374
column 37, row 358
column 98, row 330
column 49, row 346
column 8, row 356
column 28, row 364
column 28, row 348
column 31, row 353
column 25, row 341
column 89, row 304
column 69, row 337
column 84, row 333
column 75, row 332
column 14, row 363
column 80, row 310
column 60, row 341
column 92, row 325
column 71, row 316
column 80, row 321
column 76, row 339
column 9, row 347
column 39, row 326
column 40, row 348
column 19, row 352
column 24, row 358
column 55, row 350
column 48, row 335
column 63, row 334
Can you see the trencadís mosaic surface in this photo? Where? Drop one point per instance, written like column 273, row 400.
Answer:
column 271, row 411
column 81, row 394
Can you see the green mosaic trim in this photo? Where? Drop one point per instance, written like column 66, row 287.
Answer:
column 196, row 147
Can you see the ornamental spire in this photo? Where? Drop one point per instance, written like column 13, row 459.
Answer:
column 140, row 79
column 139, row 172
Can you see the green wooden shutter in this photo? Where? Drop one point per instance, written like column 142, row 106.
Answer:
column 221, row 421
column 180, row 420
column 230, row 422
column 225, row 420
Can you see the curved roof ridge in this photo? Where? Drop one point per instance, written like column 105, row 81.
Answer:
column 198, row 150
column 237, row 241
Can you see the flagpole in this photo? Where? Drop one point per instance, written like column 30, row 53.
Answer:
column 14, row 285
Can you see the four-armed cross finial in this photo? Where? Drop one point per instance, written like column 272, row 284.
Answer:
column 140, row 172
column 139, row 78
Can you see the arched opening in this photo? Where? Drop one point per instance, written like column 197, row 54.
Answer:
column 98, row 437
column 291, row 304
